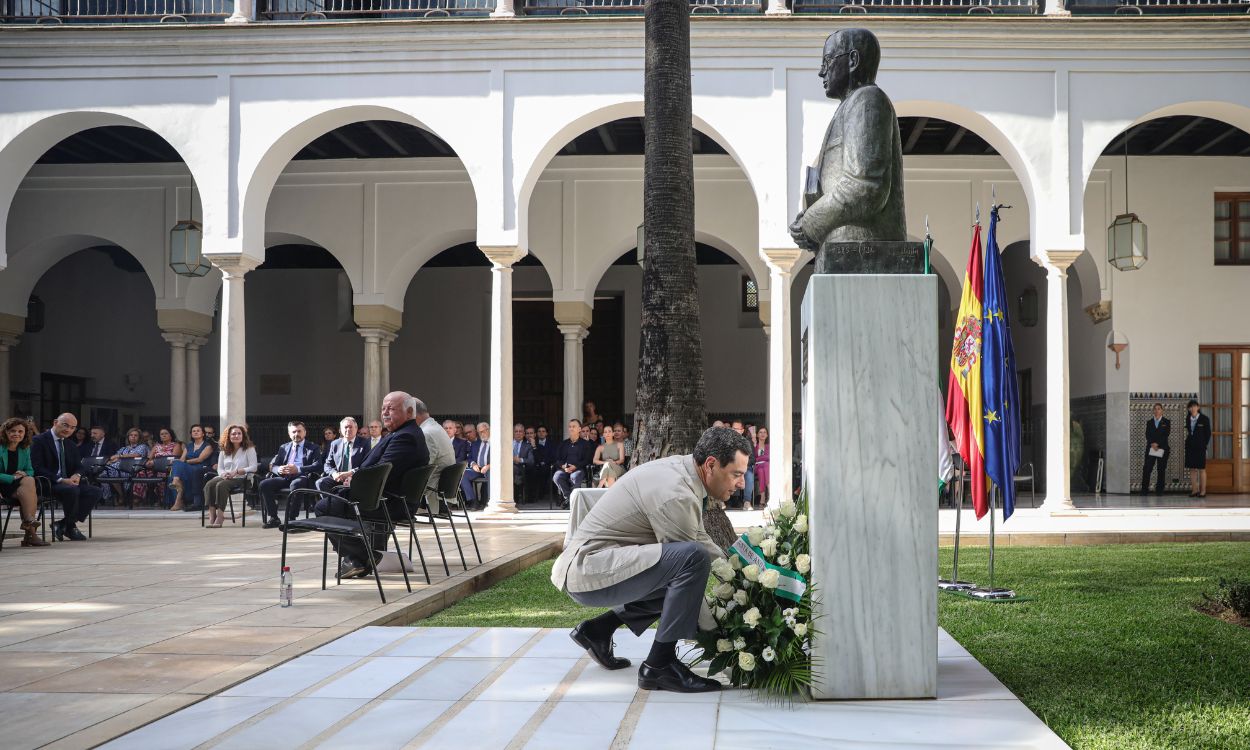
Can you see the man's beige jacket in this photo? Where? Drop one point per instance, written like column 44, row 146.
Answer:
column 660, row 501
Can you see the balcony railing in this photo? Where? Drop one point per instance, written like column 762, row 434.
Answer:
column 215, row 11
column 114, row 11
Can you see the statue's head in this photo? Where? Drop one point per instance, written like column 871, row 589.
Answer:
column 850, row 60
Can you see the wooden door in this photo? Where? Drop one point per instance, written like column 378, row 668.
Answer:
column 1224, row 393
column 537, row 365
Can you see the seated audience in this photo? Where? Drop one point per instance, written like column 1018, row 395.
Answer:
column 610, row 457
column 236, row 460
column 404, row 449
column 167, row 447
column 186, row 474
column 479, row 466
column 134, row 448
column 522, row 455
column 375, row 434
column 97, row 446
column 590, row 414
column 343, row 456
column 292, row 468
column 571, row 459
column 80, row 438
column 328, row 435
column 621, row 435
column 55, row 457
column 437, row 443
column 17, row 477
column 460, row 446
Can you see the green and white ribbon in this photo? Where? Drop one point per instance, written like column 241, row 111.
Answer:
column 790, row 585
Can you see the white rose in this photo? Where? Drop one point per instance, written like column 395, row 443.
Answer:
column 770, row 531
column 723, row 590
column 783, row 560
column 722, row 569
column 720, row 613
column 791, row 612
column 755, row 535
column 740, row 643
column 788, row 509
column 800, row 523
column 730, row 606
column 750, row 572
column 740, row 597
column 800, row 629
column 735, row 562
column 803, row 563
column 751, row 617
column 769, row 546
column 768, row 654
column 746, row 661
column 724, row 645
column 770, row 578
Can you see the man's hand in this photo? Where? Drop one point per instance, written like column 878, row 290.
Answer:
column 1154, row 446
column 516, row 459
column 800, row 237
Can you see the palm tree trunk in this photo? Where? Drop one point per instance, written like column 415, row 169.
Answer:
column 669, row 415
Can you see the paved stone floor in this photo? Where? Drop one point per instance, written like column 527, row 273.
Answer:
column 155, row 612
column 496, row 688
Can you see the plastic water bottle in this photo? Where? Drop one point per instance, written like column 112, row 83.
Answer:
column 286, row 592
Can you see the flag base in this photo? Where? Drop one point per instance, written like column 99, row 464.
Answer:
column 948, row 585
column 996, row 594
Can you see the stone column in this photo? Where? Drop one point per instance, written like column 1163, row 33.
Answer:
column 193, row 379
column 573, row 319
column 1058, row 409
column 501, row 259
column 7, row 343
column 232, row 382
column 781, row 263
column 504, row 9
column 244, row 12
column 384, row 359
column 373, row 373
column 177, row 382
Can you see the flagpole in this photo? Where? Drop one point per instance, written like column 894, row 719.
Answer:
column 954, row 584
column 992, row 593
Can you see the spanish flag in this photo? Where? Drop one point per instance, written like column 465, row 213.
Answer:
column 963, row 392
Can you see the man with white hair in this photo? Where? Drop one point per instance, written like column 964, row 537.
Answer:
column 404, row 449
column 479, row 464
column 442, row 453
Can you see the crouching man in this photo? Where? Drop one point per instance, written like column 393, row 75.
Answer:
column 642, row 550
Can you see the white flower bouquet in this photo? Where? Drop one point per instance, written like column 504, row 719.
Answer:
column 762, row 604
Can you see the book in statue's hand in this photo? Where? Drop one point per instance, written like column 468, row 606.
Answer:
column 811, row 186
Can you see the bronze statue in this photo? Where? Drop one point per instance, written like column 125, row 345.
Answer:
column 854, row 194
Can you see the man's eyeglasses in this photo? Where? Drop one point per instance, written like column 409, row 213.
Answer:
column 828, row 61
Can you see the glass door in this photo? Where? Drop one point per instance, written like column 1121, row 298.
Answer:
column 1224, row 393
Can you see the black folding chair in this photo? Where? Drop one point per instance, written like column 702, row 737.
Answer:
column 364, row 496
column 209, row 474
column 413, row 487
column 160, row 475
column 447, row 496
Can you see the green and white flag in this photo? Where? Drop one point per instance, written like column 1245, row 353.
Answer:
column 790, row 585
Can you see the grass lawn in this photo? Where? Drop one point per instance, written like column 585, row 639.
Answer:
column 1109, row 652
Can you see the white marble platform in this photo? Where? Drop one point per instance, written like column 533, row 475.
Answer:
column 488, row 688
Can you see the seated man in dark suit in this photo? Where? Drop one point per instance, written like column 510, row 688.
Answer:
column 459, row 445
column 97, row 446
column 404, row 448
column 345, row 455
column 55, row 457
column 291, row 468
column 479, row 466
column 571, row 459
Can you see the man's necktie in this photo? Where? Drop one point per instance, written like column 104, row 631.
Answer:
column 60, row 457
column 346, row 459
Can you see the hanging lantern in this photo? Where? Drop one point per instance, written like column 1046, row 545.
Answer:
column 1126, row 237
column 186, row 245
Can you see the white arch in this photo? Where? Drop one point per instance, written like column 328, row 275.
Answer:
column 34, row 139
column 533, row 165
column 278, row 153
column 36, row 259
column 399, row 276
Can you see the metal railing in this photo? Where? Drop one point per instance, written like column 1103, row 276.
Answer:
column 919, row 7
column 327, row 9
column 1176, row 7
column 114, row 11
column 635, row 7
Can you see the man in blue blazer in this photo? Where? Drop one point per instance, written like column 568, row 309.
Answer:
column 291, row 468
column 55, row 457
column 479, row 465
column 345, row 455
column 404, row 448
column 460, row 446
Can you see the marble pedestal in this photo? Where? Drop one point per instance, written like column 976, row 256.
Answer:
column 869, row 372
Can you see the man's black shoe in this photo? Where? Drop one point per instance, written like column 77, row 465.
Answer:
column 58, row 531
column 599, row 650
column 676, row 677
column 271, row 523
column 74, row 534
column 352, row 568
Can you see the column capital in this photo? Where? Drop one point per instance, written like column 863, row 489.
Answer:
column 232, row 265
column 573, row 314
column 381, row 317
column 12, row 325
column 375, row 334
column 503, row 256
column 1060, row 260
column 7, row 342
column 781, row 259
column 177, row 339
column 193, row 324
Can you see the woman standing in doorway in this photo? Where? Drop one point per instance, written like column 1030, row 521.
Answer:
column 761, row 463
column 1197, row 437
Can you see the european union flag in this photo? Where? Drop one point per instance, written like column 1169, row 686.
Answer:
column 1000, row 395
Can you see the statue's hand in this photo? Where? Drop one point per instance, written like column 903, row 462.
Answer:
column 800, row 237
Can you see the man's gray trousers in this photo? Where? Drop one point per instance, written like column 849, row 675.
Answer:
column 670, row 591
